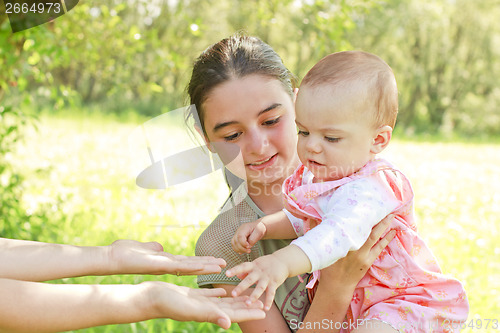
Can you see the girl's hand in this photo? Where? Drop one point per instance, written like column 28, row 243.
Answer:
column 338, row 281
column 132, row 257
column 267, row 271
column 247, row 235
column 201, row 305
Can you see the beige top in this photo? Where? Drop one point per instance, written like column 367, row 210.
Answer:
column 291, row 297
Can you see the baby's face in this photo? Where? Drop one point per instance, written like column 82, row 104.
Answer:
column 336, row 132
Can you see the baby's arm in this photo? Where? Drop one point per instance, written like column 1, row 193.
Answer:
column 273, row 226
column 350, row 214
column 269, row 272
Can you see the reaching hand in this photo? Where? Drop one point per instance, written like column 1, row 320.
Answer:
column 267, row 271
column 132, row 257
column 201, row 305
column 247, row 235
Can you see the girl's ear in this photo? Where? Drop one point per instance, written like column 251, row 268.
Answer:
column 381, row 139
column 200, row 132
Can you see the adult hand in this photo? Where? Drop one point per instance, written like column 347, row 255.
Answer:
column 133, row 257
column 338, row 281
column 201, row 305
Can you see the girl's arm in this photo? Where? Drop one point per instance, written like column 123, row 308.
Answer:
column 36, row 261
column 338, row 281
column 273, row 322
column 41, row 307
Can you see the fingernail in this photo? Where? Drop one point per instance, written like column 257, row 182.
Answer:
column 223, row 323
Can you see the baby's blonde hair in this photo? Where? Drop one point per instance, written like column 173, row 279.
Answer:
column 342, row 69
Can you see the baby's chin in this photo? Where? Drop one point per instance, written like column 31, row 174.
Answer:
column 322, row 177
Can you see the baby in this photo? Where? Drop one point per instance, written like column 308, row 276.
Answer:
column 346, row 109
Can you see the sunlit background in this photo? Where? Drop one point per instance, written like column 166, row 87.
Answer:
column 73, row 90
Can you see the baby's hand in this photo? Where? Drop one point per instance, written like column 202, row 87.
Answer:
column 247, row 235
column 267, row 271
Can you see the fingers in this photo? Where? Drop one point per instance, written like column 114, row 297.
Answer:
column 377, row 249
column 268, row 302
column 223, row 321
column 246, row 283
column 216, row 292
column 239, row 243
column 378, row 231
column 253, row 238
column 184, row 265
column 237, row 311
column 259, row 289
column 245, row 314
column 243, row 268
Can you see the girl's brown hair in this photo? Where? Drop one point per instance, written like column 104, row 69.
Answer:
column 234, row 57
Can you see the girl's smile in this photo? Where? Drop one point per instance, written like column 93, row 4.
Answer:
column 256, row 114
column 263, row 163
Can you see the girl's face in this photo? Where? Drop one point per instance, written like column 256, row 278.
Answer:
column 255, row 113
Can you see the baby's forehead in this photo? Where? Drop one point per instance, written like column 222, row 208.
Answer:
column 355, row 94
column 344, row 103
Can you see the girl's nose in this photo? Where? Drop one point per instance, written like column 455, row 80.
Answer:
column 257, row 142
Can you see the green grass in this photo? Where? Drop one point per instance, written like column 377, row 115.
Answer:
column 85, row 175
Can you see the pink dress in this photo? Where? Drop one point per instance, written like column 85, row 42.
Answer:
column 404, row 287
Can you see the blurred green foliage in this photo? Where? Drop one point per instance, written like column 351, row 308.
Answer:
column 137, row 57
column 445, row 55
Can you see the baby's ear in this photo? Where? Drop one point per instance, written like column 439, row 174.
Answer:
column 381, row 139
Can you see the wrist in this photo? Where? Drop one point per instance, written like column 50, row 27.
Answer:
column 149, row 304
column 103, row 260
column 91, row 260
column 295, row 260
column 263, row 227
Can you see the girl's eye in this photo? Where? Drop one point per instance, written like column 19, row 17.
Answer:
column 303, row 133
column 330, row 139
column 232, row 137
column 272, row 121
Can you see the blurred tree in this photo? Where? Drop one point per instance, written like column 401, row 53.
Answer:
column 20, row 54
column 444, row 56
column 137, row 57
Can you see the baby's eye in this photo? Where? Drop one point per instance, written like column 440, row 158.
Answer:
column 330, row 139
column 272, row 121
column 303, row 133
column 232, row 137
